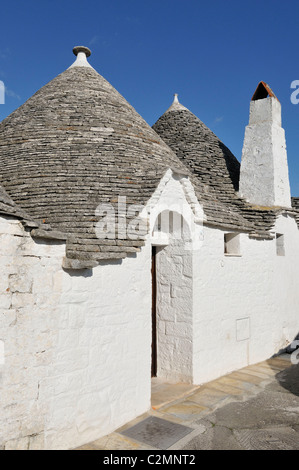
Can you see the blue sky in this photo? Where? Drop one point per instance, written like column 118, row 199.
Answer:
column 213, row 54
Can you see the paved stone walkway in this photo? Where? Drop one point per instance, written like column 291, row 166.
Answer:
column 254, row 408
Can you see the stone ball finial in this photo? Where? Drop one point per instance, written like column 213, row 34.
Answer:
column 83, row 49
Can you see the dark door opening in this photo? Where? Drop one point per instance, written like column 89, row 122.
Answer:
column 154, row 314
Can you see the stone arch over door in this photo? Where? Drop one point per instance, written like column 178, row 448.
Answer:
column 174, row 297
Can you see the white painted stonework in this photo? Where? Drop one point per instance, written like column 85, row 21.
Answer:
column 78, row 343
column 264, row 178
column 81, row 61
column 176, row 105
column 245, row 307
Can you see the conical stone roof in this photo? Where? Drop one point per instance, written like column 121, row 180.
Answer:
column 73, row 145
column 78, row 143
column 200, row 149
column 212, row 162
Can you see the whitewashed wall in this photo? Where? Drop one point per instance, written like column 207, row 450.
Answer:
column 246, row 308
column 77, row 347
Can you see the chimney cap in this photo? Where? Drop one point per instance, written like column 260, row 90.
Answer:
column 263, row 91
column 83, row 49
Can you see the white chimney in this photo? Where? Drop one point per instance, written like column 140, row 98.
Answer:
column 264, row 176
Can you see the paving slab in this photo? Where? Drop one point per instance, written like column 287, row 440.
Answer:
column 186, row 410
column 276, row 366
column 87, row 447
column 255, row 373
column 164, row 393
column 277, row 361
column 228, row 389
column 236, row 383
column 247, row 378
column 117, row 441
column 265, row 369
column 208, row 396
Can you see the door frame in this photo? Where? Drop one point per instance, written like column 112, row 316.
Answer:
column 154, row 314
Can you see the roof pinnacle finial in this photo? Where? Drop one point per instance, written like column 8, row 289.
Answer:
column 176, row 105
column 83, row 49
column 81, row 52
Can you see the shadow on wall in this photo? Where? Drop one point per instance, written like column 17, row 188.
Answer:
column 232, row 165
column 289, row 378
column 78, row 272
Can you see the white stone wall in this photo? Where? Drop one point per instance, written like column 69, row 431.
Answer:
column 245, row 307
column 103, row 357
column 77, row 345
column 28, row 310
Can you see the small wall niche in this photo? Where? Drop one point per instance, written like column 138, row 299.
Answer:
column 280, row 251
column 242, row 329
column 232, row 244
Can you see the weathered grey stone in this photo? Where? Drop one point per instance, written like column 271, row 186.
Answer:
column 77, row 264
column 52, row 234
column 295, row 205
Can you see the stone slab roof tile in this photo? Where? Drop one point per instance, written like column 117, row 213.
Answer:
column 295, row 206
column 9, row 208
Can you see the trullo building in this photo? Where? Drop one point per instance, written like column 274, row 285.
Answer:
column 129, row 251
